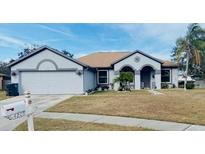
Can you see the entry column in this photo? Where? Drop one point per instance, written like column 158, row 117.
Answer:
column 116, row 84
column 137, row 80
column 158, row 79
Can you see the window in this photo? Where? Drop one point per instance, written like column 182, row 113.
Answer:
column 103, row 77
column 166, row 75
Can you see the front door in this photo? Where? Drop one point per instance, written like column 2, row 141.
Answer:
column 145, row 79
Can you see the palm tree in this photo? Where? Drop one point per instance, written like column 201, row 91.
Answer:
column 125, row 79
column 190, row 48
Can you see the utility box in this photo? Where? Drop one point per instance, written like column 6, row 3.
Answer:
column 12, row 89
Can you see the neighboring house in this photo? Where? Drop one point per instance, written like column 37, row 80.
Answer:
column 48, row 71
column 181, row 78
column 200, row 83
column 4, row 79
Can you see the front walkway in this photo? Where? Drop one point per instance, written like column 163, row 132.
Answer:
column 123, row 121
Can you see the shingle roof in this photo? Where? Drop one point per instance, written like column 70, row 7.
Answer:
column 106, row 59
column 169, row 64
column 102, row 59
column 98, row 59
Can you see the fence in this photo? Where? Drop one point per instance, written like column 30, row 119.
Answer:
column 4, row 83
column 200, row 84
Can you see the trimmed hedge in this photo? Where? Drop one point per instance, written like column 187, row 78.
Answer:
column 190, row 85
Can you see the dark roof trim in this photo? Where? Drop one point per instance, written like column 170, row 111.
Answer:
column 103, row 67
column 42, row 49
column 140, row 52
column 4, row 75
column 170, row 66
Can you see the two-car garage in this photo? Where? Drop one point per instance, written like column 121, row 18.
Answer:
column 50, row 82
column 47, row 71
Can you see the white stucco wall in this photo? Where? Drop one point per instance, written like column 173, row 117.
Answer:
column 90, row 80
column 32, row 63
column 158, row 81
column 111, row 77
column 49, row 61
column 175, row 74
column 130, row 61
column 137, row 66
column 46, row 65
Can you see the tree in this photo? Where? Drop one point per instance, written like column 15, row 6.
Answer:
column 125, row 79
column 190, row 49
column 4, row 69
column 67, row 53
column 27, row 50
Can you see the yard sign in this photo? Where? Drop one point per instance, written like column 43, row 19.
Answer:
column 18, row 110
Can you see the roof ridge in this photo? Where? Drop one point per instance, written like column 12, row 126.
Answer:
column 111, row 51
column 98, row 52
column 39, row 49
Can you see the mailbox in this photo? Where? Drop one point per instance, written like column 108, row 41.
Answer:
column 12, row 109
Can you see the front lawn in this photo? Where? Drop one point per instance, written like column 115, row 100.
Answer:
column 3, row 95
column 66, row 125
column 175, row 105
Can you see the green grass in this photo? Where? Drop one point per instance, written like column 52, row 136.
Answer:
column 42, row 124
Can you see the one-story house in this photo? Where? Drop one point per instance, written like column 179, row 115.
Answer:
column 49, row 71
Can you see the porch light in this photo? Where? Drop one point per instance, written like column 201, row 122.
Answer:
column 79, row 72
column 13, row 73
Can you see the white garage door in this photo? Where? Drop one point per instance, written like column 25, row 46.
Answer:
column 51, row 83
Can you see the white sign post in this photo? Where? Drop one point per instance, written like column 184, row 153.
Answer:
column 18, row 110
column 29, row 111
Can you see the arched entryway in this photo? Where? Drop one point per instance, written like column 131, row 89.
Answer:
column 129, row 69
column 147, row 78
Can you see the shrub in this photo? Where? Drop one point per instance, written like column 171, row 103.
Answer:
column 105, row 87
column 165, row 86
column 125, row 79
column 181, row 85
column 190, row 85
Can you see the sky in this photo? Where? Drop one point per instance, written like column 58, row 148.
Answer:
column 81, row 39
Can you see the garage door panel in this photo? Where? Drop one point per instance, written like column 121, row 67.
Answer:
column 51, row 82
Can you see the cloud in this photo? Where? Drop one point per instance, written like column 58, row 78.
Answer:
column 165, row 33
column 155, row 39
column 65, row 33
column 163, row 55
column 78, row 55
column 104, row 38
column 8, row 41
column 47, row 41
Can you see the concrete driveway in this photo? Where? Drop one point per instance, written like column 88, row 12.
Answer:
column 40, row 103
